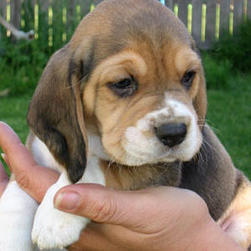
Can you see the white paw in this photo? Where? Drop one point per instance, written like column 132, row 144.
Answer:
column 17, row 210
column 53, row 228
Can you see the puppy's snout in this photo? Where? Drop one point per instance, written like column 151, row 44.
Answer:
column 171, row 134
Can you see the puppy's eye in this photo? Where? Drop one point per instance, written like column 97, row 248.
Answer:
column 188, row 78
column 123, row 84
column 125, row 87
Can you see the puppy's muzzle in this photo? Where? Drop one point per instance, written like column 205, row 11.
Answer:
column 171, row 134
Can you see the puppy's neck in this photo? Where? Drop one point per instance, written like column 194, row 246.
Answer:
column 132, row 177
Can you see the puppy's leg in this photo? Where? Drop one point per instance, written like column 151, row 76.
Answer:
column 56, row 229
column 17, row 210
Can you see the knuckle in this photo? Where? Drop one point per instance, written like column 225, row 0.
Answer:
column 23, row 181
column 104, row 211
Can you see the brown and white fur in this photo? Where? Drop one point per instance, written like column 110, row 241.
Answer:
column 124, row 104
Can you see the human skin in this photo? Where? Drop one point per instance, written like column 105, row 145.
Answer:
column 160, row 218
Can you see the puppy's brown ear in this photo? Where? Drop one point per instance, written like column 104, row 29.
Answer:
column 55, row 114
column 200, row 101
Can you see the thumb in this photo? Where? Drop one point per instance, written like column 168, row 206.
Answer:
column 105, row 205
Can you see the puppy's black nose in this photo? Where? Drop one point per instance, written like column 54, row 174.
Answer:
column 171, row 134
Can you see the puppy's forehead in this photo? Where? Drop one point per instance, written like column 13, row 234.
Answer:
column 115, row 24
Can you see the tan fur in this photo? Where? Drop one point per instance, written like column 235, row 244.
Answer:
column 236, row 221
column 133, row 178
column 112, row 69
column 74, row 95
column 114, row 118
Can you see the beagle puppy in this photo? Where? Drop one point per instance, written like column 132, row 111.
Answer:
column 124, row 104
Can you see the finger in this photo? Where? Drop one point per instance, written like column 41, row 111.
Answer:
column 7, row 135
column 94, row 237
column 105, row 205
column 26, row 170
column 3, row 179
column 110, row 237
column 12, row 145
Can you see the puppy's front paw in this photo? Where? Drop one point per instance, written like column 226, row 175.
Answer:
column 53, row 228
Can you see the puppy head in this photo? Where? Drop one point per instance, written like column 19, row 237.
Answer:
column 146, row 104
column 131, row 76
column 147, row 96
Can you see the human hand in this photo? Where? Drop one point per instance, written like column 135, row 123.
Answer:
column 23, row 166
column 162, row 218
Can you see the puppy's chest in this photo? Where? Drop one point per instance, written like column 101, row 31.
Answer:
column 133, row 178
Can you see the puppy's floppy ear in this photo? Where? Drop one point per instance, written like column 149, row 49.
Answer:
column 55, row 114
column 200, row 100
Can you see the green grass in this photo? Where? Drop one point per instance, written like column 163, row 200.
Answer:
column 13, row 111
column 229, row 114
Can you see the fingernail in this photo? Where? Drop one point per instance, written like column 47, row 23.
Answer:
column 67, row 201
